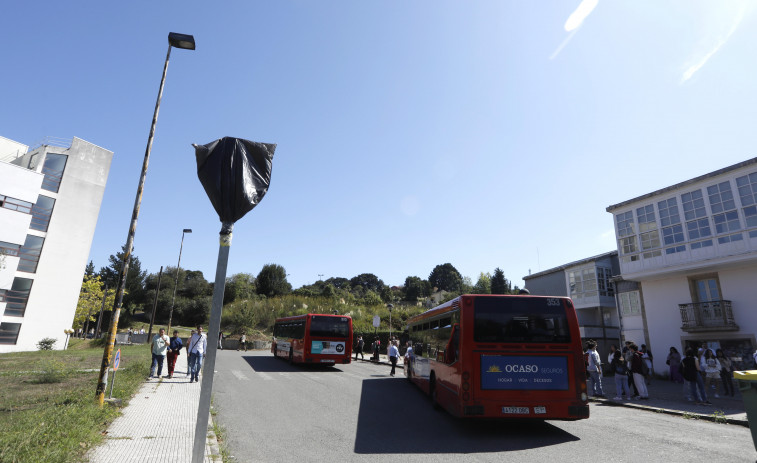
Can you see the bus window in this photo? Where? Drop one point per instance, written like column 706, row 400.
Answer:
column 533, row 319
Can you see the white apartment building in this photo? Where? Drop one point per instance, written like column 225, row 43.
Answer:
column 688, row 264
column 588, row 283
column 49, row 202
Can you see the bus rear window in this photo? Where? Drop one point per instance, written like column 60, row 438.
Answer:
column 520, row 319
column 330, row 327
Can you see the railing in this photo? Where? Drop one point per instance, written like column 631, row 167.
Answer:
column 60, row 142
column 707, row 316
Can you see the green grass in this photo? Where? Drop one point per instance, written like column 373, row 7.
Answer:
column 48, row 410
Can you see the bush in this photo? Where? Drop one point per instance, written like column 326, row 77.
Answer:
column 53, row 371
column 46, row 344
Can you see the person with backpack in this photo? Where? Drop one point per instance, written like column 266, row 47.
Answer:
column 618, row 366
column 594, row 369
column 691, row 373
column 359, row 348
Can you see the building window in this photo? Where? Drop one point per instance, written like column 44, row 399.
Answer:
column 629, row 303
column 583, row 283
column 753, row 234
column 651, row 254
column 730, row 238
column 628, row 245
column 625, row 223
column 9, row 332
column 698, row 229
column 747, row 186
column 668, row 212
column 693, row 205
column 17, row 297
column 650, row 240
column 603, row 281
column 9, row 249
column 726, row 222
column 53, row 169
column 29, row 253
column 645, row 216
column 675, row 249
column 701, row 244
column 750, row 216
column 15, row 204
column 672, row 235
column 41, row 212
column 721, row 197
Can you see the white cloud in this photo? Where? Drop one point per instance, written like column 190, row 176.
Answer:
column 700, row 59
column 574, row 22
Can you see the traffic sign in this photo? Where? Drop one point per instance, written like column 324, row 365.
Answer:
column 376, row 321
column 117, row 360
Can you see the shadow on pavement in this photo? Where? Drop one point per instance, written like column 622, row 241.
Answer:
column 395, row 403
column 272, row 364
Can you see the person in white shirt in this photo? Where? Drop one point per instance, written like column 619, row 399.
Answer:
column 159, row 346
column 394, row 354
column 595, row 370
column 197, row 347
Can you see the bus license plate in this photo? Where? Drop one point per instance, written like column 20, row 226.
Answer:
column 515, row 410
column 540, row 410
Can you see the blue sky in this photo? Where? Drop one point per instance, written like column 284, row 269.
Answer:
column 485, row 134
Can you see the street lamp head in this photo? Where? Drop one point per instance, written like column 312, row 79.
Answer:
column 184, row 41
column 187, row 230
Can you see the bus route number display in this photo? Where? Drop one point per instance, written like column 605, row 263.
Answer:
column 512, row 372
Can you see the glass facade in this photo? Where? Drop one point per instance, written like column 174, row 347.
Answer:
column 29, row 253
column 17, row 297
column 41, row 213
column 9, row 332
column 53, row 169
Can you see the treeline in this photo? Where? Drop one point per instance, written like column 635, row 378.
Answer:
column 252, row 302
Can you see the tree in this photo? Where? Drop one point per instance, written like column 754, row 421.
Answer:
column 466, row 286
column 134, row 291
column 90, row 270
column 500, row 284
column 367, row 281
column 446, row 278
column 484, row 284
column 90, row 301
column 272, row 281
column 415, row 288
column 240, row 286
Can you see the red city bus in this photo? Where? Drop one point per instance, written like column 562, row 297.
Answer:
column 313, row 338
column 500, row 356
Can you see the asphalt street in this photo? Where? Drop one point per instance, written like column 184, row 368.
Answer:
column 273, row 411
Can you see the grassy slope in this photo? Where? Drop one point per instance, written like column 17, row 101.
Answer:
column 47, row 403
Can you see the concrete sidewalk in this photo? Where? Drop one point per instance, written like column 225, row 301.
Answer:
column 158, row 424
column 664, row 397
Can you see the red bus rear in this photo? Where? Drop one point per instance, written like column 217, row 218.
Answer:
column 313, row 338
column 500, row 356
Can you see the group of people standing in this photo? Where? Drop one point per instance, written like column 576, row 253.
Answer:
column 631, row 368
column 392, row 351
column 163, row 347
column 700, row 369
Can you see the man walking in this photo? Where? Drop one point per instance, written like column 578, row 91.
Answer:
column 159, row 345
column 198, row 345
column 394, row 354
column 359, row 348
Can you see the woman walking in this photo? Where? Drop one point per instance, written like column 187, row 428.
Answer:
column 674, row 361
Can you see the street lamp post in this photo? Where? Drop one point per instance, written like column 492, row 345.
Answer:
column 186, row 42
column 176, row 283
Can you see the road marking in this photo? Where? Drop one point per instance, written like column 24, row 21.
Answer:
column 239, row 375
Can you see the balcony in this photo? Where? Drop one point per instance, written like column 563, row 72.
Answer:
column 707, row 316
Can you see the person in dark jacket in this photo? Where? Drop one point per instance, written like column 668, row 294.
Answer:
column 638, row 371
column 174, row 349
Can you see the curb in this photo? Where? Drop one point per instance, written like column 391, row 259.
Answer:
column 667, row 411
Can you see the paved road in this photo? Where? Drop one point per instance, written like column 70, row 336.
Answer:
column 276, row 412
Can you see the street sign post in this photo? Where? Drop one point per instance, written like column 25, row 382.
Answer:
column 116, row 362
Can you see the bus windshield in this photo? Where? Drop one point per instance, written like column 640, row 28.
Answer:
column 330, row 327
column 531, row 319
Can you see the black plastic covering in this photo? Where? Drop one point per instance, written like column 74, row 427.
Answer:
column 236, row 174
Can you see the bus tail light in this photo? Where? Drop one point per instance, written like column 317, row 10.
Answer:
column 466, row 396
column 466, row 376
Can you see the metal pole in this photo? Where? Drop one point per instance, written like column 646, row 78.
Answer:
column 108, row 352
column 170, row 313
column 102, row 309
column 206, row 389
column 112, row 382
column 154, row 305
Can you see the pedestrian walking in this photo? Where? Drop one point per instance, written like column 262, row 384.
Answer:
column 158, row 346
column 674, row 362
column 691, row 372
column 359, row 348
column 174, row 349
column 242, row 342
column 198, row 346
column 595, row 370
column 220, row 340
column 394, row 354
column 187, row 348
column 726, row 372
column 619, row 368
column 611, row 355
column 376, row 349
